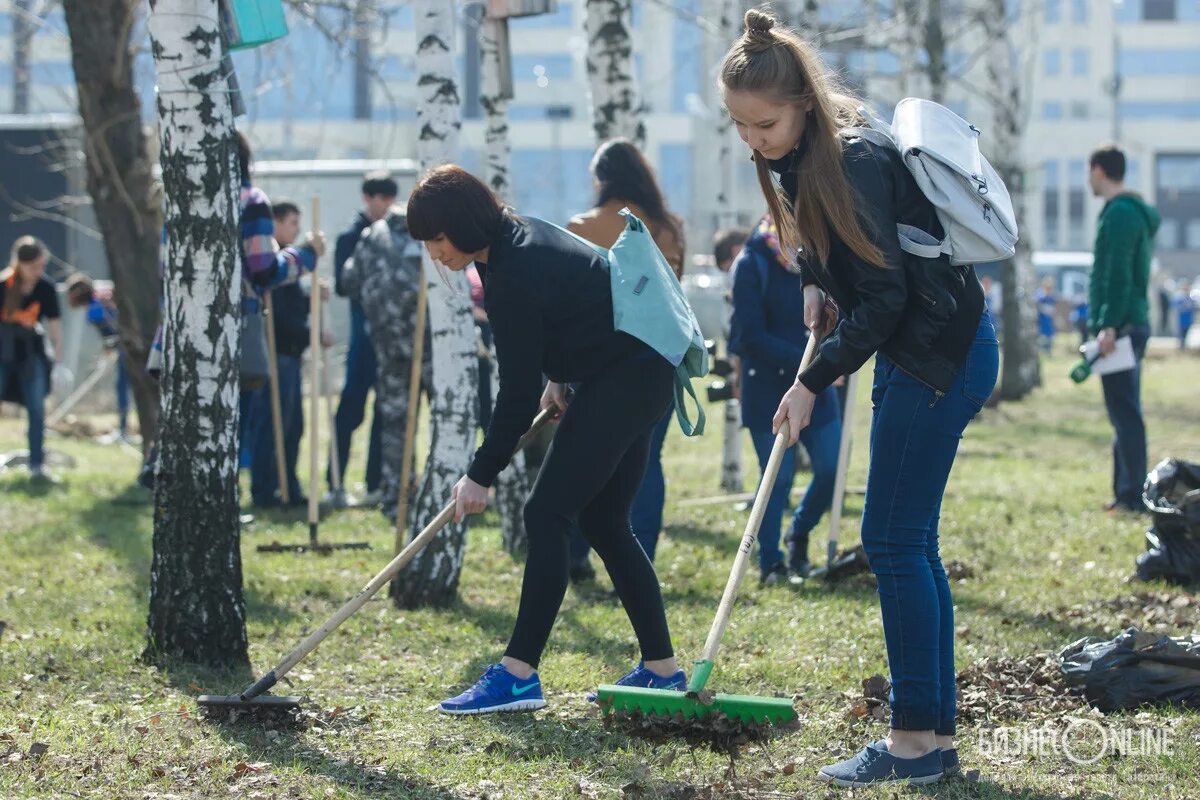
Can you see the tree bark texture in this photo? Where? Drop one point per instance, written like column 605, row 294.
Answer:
column 22, row 45
column 197, row 611
column 513, row 484
column 616, row 110
column 497, row 143
column 120, row 181
column 1021, row 365
column 431, row 579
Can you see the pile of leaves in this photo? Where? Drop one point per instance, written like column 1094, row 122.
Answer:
column 290, row 718
column 1160, row 612
column 998, row 688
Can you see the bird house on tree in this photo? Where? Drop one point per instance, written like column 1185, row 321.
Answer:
column 250, row 23
column 502, row 11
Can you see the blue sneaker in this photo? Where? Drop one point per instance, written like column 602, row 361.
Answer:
column 497, row 690
column 644, row 678
column 874, row 765
column 951, row 766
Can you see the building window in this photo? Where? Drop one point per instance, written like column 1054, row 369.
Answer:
column 1053, row 12
column 1052, row 110
column 1079, row 62
column 1192, row 240
column 1050, row 188
column 1168, row 234
column 1076, row 185
column 1052, row 62
column 1080, row 109
column 1159, row 10
column 1153, row 62
column 1079, row 12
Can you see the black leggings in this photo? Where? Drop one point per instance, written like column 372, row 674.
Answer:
column 591, row 473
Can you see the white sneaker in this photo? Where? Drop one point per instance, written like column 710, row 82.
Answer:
column 372, row 499
column 40, row 473
column 339, row 499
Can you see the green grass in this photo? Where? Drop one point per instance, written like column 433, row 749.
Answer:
column 1021, row 511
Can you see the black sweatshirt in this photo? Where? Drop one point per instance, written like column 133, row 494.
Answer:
column 290, row 307
column 549, row 301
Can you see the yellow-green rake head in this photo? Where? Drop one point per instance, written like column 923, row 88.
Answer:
column 691, row 705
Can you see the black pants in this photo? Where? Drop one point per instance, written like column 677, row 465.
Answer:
column 591, row 473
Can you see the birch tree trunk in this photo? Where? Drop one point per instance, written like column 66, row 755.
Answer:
column 616, row 110
column 432, row 577
column 22, row 43
column 1021, row 365
column 120, row 181
column 498, row 145
column 726, row 14
column 514, row 483
column 197, row 612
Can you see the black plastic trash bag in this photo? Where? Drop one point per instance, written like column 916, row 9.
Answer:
column 1170, row 556
column 1137, row 668
column 1172, row 494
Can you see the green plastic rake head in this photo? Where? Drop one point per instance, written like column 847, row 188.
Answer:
column 688, row 705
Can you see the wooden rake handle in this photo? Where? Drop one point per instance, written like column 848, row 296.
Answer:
column 444, row 517
column 741, row 563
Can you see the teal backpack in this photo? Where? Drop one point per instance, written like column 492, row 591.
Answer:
column 649, row 305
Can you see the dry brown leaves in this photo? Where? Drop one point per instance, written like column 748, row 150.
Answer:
column 1160, row 612
column 998, row 688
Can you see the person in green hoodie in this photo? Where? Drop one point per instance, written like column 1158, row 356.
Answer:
column 1118, row 306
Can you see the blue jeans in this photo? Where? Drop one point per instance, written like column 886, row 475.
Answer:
column 914, row 439
column 31, row 376
column 352, row 407
column 264, row 482
column 247, row 426
column 646, row 515
column 821, row 443
column 122, row 393
column 1123, row 400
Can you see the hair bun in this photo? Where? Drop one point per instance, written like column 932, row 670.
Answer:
column 758, row 22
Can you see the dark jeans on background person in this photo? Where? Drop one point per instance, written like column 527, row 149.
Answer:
column 485, row 377
column 591, row 473
column 822, row 445
column 122, row 393
column 1123, row 400
column 352, row 406
column 646, row 515
column 32, row 378
column 914, row 439
column 264, row 482
column 247, row 425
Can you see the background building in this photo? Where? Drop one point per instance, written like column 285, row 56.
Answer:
column 334, row 90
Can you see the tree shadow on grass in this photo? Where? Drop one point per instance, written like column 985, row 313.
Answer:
column 289, row 748
column 119, row 529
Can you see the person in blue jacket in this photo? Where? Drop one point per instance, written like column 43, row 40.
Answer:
column 769, row 334
column 1047, row 303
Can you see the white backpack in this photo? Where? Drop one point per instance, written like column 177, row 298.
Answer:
column 941, row 150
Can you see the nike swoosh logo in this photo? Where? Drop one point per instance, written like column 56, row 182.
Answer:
column 520, row 690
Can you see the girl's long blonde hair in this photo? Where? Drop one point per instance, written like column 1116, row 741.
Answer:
column 25, row 249
column 775, row 62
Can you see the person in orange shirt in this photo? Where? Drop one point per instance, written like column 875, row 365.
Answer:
column 623, row 179
column 29, row 309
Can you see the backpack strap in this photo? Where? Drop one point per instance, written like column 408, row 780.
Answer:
column 920, row 242
column 683, row 383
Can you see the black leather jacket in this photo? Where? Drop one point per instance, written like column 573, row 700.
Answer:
column 920, row 313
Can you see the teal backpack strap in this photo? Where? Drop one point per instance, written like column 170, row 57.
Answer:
column 683, row 382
